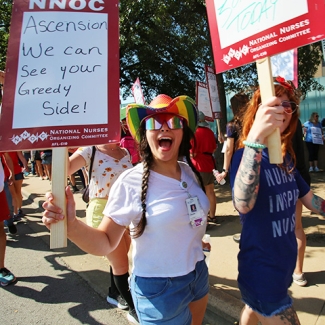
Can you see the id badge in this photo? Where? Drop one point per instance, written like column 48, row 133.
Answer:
column 195, row 211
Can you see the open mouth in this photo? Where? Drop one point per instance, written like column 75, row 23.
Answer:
column 165, row 143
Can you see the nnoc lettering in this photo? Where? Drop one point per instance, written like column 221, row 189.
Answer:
column 64, row 4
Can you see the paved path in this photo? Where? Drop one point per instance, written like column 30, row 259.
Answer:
column 224, row 298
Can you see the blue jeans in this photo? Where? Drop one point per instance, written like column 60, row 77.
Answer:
column 166, row 300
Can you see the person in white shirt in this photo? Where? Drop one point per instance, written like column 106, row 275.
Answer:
column 169, row 282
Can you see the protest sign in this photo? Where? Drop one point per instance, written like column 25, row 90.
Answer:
column 213, row 92
column 247, row 31
column 62, row 75
column 61, row 83
column 137, row 92
column 203, row 100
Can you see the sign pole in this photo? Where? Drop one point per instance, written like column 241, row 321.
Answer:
column 265, row 79
column 59, row 182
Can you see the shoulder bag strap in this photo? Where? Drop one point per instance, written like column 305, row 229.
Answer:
column 91, row 163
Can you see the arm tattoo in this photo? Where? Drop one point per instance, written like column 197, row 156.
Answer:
column 247, row 180
column 319, row 204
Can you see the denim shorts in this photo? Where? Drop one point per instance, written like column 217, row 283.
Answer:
column 166, row 300
column 267, row 309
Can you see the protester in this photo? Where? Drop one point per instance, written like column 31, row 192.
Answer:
column 169, row 283
column 233, row 128
column 36, row 156
column 15, row 189
column 313, row 133
column 265, row 195
column 238, row 102
column 298, row 148
column 46, row 157
column 6, row 277
column 108, row 161
column 203, row 147
column 8, row 169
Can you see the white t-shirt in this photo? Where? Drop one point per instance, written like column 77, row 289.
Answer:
column 105, row 170
column 169, row 246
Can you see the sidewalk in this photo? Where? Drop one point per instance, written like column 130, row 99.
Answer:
column 224, row 299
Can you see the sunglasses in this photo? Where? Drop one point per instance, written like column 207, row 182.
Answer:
column 156, row 122
column 289, row 107
column 317, row 116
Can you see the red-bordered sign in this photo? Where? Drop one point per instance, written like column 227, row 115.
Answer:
column 213, row 92
column 203, row 100
column 245, row 31
column 62, row 75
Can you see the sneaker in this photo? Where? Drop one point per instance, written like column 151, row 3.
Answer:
column 236, row 238
column 133, row 317
column 311, row 169
column 299, row 279
column 17, row 217
column 316, row 169
column 6, row 277
column 9, row 223
column 117, row 300
column 75, row 189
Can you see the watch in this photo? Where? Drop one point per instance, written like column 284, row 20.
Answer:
column 224, row 170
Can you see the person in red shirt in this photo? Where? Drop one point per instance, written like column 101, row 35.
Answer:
column 15, row 189
column 202, row 158
column 6, row 277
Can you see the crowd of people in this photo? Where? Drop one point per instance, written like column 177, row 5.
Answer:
column 134, row 198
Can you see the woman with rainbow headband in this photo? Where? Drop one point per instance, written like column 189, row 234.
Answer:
column 265, row 196
column 155, row 199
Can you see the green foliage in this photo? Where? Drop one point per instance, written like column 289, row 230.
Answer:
column 309, row 58
column 167, row 43
column 164, row 44
column 5, row 15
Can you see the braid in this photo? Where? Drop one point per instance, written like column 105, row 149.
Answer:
column 147, row 160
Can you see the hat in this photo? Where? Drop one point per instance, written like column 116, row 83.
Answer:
column 202, row 121
column 182, row 106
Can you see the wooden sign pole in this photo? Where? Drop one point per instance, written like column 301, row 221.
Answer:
column 59, row 182
column 265, row 79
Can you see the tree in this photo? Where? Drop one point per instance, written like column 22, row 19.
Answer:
column 309, row 59
column 165, row 44
column 5, row 16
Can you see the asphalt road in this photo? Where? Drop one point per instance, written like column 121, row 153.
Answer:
column 48, row 290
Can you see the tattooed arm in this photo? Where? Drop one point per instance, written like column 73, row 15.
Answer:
column 314, row 203
column 247, row 180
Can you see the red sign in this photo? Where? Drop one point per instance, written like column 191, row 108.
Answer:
column 246, row 31
column 62, row 75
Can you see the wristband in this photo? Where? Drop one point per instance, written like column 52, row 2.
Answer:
column 254, row 145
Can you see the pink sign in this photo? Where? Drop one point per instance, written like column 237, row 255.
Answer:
column 137, row 92
column 62, row 75
column 246, row 31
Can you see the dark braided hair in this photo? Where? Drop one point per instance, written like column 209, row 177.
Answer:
column 147, row 160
